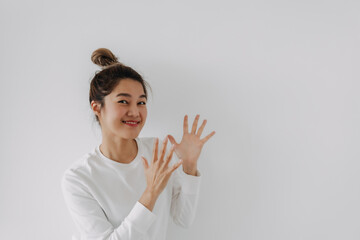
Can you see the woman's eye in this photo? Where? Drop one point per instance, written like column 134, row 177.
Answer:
column 124, row 101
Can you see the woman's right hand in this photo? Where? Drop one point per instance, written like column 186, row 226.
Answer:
column 157, row 174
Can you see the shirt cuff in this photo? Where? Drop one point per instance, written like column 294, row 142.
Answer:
column 141, row 217
column 190, row 184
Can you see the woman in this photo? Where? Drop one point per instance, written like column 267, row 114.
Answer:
column 109, row 193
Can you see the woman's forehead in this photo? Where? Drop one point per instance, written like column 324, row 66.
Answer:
column 128, row 88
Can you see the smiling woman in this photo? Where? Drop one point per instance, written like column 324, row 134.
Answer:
column 125, row 106
column 109, row 194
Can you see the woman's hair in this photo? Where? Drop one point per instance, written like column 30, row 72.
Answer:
column 111, row 74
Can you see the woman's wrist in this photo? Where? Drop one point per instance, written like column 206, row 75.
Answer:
column 190, row 170
column 148, row 199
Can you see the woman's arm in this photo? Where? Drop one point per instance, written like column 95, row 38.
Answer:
column 91, row 220
column 185, row 197
column 187, row 180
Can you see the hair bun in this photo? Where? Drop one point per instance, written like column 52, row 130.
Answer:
column 103, row 57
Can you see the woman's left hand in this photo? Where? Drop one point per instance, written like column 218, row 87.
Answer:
column 189, row 148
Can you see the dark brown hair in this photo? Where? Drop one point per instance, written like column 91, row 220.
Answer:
column 111, row 74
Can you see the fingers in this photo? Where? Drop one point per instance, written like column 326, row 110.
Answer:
column 163, row 149
column 172, row 140
column 186, row 129
column 160, row 161
column 201, row 128
column 194, row 126
column 146, row 165
column 205, row 139
column 175, row 166
column 155, row 151
column 169, row 156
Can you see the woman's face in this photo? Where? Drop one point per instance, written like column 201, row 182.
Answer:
column 124, row 113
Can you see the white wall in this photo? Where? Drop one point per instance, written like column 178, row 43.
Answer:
column 277, row 80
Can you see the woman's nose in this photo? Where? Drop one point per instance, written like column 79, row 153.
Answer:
column 133, row 111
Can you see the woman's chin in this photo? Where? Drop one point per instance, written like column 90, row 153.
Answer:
column 131, row 135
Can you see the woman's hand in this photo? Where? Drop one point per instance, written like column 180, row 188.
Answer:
column 158, row 173
column 189, row 148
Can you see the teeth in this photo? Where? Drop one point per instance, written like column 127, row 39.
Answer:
column 131, row 122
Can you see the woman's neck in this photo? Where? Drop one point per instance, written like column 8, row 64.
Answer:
column 120, row 150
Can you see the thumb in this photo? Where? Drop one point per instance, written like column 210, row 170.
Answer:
column 172, row 140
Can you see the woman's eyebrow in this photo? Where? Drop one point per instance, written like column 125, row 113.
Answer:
column 128, row 95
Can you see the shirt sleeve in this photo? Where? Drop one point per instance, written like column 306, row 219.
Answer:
column 185, row 196
column 91, row 220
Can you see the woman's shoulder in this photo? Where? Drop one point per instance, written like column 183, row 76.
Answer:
column 76, row 177
column 81, row 166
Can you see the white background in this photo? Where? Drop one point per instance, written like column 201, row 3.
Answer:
column 277, row 80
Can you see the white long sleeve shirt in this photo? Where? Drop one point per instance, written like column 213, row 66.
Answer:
column 102, row 197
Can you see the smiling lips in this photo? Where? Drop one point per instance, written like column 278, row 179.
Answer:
column 131, row 123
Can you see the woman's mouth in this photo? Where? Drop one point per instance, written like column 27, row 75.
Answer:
column 131, row 123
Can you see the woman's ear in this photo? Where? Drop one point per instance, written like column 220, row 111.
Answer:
column 95, row 106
